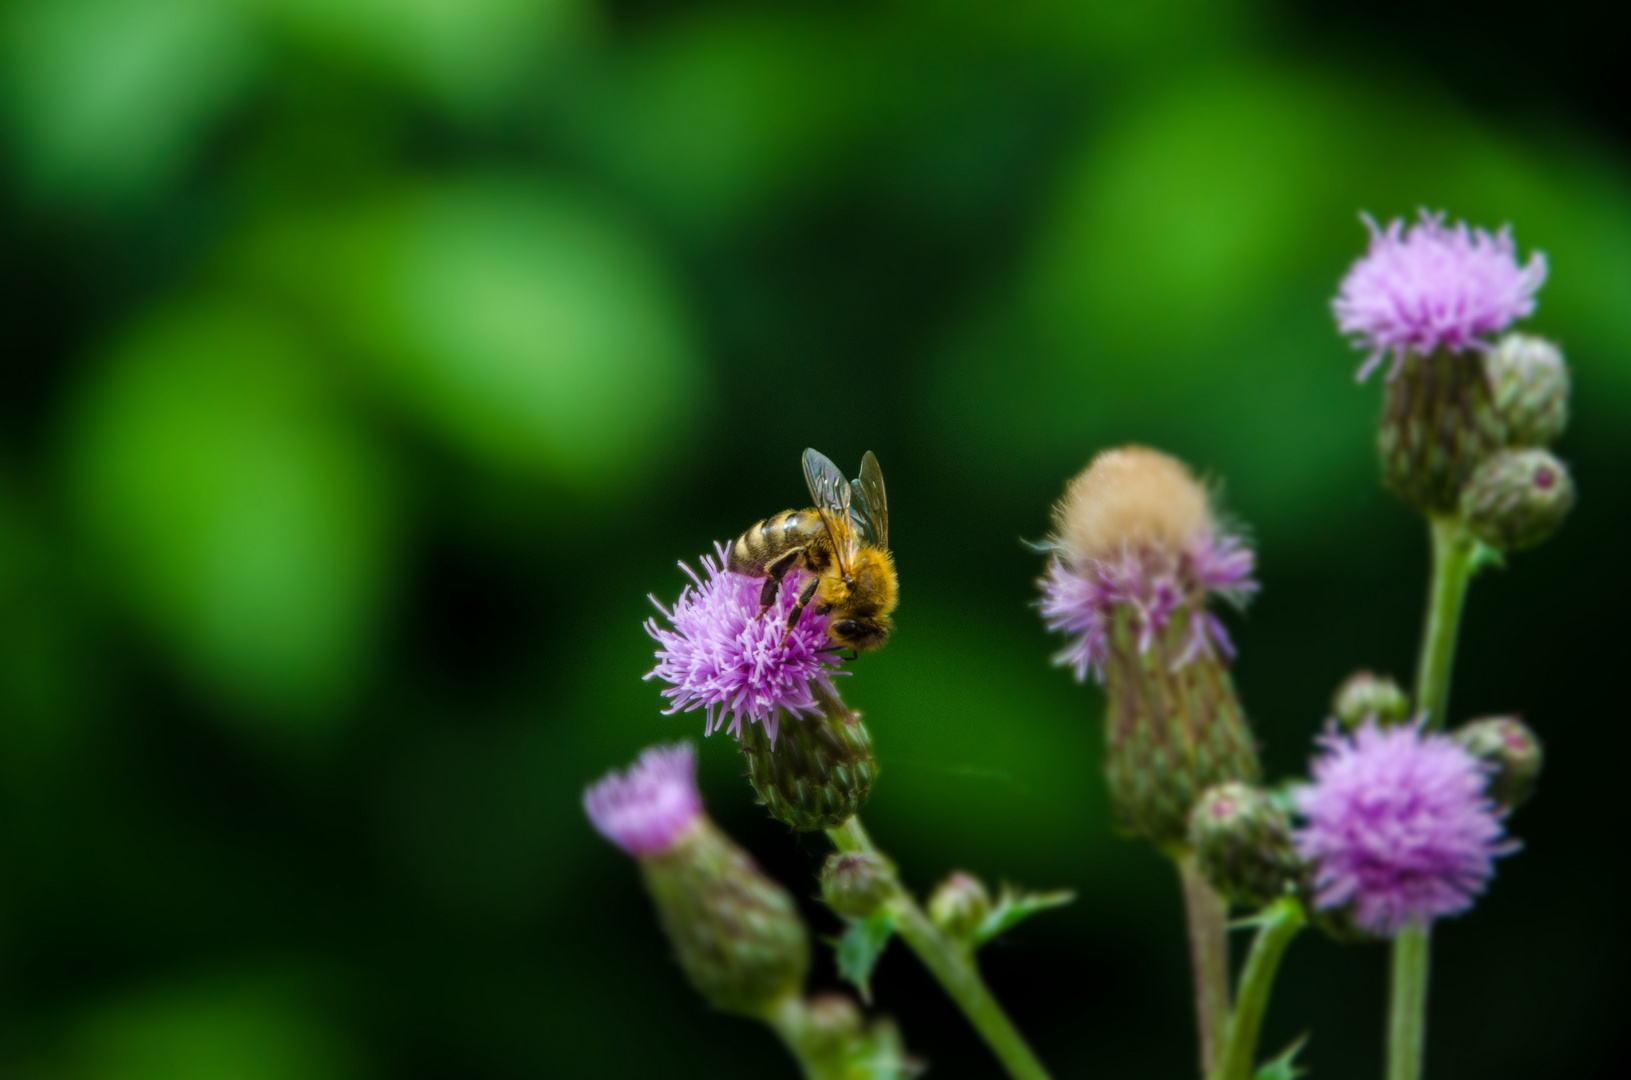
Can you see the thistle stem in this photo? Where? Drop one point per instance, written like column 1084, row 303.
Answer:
column 1407, row 1005
column 1279, row 924
column 1453, row 567
column 1209, row 949
column 1452, row 573
column 953, row 966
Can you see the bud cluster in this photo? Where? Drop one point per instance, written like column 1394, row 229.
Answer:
column 1466, row 424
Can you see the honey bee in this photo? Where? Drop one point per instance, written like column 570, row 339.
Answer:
column 843, row 540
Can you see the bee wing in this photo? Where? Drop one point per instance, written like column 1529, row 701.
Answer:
column 872, row 505
column 831, row 493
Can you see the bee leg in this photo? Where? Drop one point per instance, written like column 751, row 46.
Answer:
column 798, row 608
column 777, row 570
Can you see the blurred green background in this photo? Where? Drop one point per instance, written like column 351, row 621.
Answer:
column 364, row 364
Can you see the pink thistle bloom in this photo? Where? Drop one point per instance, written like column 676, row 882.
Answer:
column 1399, row 826
column 723, row 655
column 1433, row 286
column 1158, row 585
column 644, row 809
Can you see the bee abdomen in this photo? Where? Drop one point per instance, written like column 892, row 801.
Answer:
column 769, row 539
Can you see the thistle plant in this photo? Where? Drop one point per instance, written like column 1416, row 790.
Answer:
column 1137, row 552
column 810, row 763
column 1465, row 435
column 1398, row 824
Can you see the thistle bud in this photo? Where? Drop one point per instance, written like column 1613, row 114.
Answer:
column 1366, row 696
column 960, row 905
column 855, row 883
column 1138, row 556
column 1506, row 743
column 838, row 1044
column 1517, row 499
column 1242, row 843
column 832, row 1026
column 1530, row 386
column 1438, row 423
column 819, row 770
column 736, row 933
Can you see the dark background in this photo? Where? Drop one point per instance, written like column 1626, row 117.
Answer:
column 365, row 363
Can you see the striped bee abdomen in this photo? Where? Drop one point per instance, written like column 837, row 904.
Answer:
column 777, row 536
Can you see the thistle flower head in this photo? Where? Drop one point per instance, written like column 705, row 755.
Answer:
column 720, row 653
column 1434, row 286
column 646, row 808
column 1398, row 826
column 1136, row 532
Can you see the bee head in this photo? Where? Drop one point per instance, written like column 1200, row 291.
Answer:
column 859, row 634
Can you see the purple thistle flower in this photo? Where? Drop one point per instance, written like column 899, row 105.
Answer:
column 1398, row 825
column 1157, row 584
column 644, row 809
column 1432, row 286
column 722, row 655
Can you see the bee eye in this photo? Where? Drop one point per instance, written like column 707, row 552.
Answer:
column 845, row 627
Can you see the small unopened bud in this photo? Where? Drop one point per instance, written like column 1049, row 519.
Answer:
column 1517, row 499
column 855, row 883
column 1438, row 423
column 736, row 932
column 820, row 769
column 832, row 1025
column 1530, row 384
column 1507, row 743
column 1367, row 696
column 960, row 905
column 1242, row 843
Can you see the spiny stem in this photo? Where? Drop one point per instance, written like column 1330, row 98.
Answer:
column 1278, row 925
column 953, row 966
column 1453, row 567
column 1209, row 949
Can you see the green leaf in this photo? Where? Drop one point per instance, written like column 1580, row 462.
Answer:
column 1283, row 1067
column 1485, row 556
column 863, row 942
column 1014, row 907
